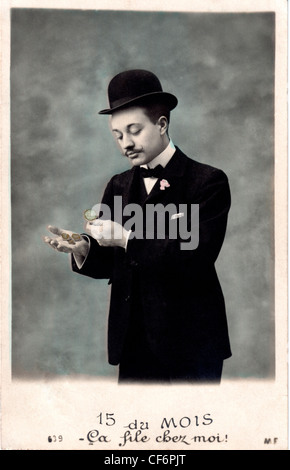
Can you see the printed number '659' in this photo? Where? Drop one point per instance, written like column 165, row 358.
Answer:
column 54, row 438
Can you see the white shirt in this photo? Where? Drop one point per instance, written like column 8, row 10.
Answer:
column 161, row 159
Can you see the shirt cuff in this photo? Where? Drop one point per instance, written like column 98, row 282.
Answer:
column 127, row 239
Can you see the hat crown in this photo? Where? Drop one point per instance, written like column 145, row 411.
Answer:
column 131, row 84
column 136, row 86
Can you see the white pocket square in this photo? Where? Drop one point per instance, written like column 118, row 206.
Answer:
column 177, row 216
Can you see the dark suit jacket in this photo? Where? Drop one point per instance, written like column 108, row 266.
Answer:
column 179, row 290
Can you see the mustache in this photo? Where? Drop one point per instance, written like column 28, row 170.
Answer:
column 130, row 151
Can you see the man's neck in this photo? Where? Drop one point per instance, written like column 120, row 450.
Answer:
column 163, row 157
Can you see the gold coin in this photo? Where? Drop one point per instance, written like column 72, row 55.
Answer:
column 90, row 214
column 65, row 236
column 76, row 237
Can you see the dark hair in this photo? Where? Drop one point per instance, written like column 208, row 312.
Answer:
column 154, row 110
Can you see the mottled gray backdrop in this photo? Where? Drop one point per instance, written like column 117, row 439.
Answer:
column 221, row 67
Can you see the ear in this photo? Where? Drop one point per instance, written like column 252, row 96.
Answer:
column 163, row 124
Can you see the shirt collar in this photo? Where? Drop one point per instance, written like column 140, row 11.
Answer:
column 163, row 158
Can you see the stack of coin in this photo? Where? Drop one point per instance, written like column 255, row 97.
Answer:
column 75, row 237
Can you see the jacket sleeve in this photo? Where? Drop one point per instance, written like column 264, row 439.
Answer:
column 99, row 261
column 214, row 200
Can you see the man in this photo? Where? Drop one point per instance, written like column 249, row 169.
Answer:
column 167, row 320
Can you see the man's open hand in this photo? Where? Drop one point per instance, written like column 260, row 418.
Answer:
column 66, row 241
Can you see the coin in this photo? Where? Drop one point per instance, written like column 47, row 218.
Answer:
column 65, row 236
column 76, row 237
column 90, row 214
column 71, row 239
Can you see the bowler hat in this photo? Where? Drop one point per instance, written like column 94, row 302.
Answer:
column 136, row 86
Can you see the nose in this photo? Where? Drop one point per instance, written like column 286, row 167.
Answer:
column 127, row 142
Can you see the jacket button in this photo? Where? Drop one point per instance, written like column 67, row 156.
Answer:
column 127, row 298
column 134, row 263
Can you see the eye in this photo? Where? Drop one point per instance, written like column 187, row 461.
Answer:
column 118, row 136
column 135, row 130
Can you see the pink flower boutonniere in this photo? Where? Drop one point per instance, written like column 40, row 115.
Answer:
column 164, row 184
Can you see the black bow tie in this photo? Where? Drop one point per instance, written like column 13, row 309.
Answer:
column 155, row 172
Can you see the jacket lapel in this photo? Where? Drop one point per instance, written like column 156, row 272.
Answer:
column 131, row 192
column 131, row 186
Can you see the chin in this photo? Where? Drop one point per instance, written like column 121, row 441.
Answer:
column 137, row 161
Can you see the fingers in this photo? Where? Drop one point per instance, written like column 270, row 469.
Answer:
column 96, row 223
column 55, row 230
column 63, row 241
column 50, row 241
column 64, row 249
column 66, row 235
column 95, row 229
column 100, row 229
column 58, row 244
column 47, row 240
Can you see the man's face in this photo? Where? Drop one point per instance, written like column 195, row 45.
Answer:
column 140, row 139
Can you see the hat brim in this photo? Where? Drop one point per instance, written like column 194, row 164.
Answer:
column 161, row 96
